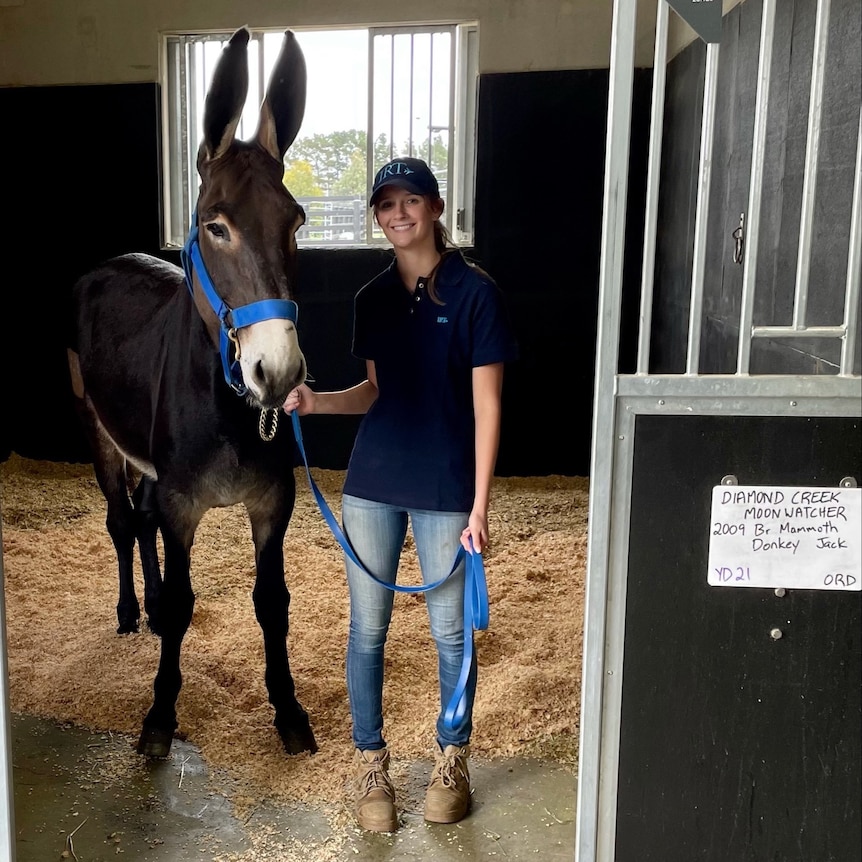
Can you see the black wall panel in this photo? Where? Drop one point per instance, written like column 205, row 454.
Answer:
column 84, row 167
column 328, row 280
column 539, row 196
column 735, row 746
column 88, row 186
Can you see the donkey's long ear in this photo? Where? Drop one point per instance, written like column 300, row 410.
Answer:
column 226, row 97
column 284, row 105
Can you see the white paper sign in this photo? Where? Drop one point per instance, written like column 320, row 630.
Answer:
column 800, row 538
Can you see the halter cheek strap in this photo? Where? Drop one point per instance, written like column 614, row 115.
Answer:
column 230, row 319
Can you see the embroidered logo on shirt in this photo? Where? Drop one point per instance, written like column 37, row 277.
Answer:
column 442, row 320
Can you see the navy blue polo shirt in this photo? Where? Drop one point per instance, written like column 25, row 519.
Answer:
column 416, row 445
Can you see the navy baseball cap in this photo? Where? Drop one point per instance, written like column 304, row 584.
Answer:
column 406, row 173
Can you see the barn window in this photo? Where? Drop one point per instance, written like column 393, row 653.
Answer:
column 373, row 93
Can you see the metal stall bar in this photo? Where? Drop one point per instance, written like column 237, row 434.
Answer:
column 659, row 80
column 812, row 153
column 702, row 210
column 604, row 405
column 755, row 192
column 802, row 332
column 854, row 265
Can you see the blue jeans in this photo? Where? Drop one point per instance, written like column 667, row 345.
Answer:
column 376, row 532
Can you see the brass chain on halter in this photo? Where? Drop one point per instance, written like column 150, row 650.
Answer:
column 265, row 435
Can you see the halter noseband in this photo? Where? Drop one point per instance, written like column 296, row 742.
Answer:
column 230, row 319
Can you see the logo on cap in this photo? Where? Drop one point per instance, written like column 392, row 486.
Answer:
column 393, row 169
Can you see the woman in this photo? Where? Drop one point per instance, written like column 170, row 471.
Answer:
column 434, row 335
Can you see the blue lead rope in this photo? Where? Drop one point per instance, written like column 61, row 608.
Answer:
column 475, row 589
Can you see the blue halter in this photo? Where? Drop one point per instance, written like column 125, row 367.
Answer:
column 230, row 319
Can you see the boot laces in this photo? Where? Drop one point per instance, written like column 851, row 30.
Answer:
column 373, row 777
column 449, row 770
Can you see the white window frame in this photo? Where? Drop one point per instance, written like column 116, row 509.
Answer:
column 186, row 73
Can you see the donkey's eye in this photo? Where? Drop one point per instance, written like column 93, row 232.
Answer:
column 217, row 230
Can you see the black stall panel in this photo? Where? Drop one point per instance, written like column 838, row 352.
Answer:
column 539, row 191
column 735, row 746
column 85, row 168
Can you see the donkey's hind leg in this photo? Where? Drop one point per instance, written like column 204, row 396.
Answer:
column 109, row 466
column 110, row 469
column 147, row 525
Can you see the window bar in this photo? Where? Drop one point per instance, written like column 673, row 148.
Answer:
column 430, row 99
column 659, row 78
column 854, row 266
column 370, row 140
column 755, row 190
column 451, row 219
column 410, row 98
column 179, row 144
column 261, row 69
column 194, row 58
column 391, row 97
column 812, row 152
column 702, row 210
column 464, row 100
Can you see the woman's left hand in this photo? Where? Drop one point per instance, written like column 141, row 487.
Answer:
column 477, row 530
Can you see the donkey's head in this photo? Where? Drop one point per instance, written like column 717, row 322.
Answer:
column 247, row 222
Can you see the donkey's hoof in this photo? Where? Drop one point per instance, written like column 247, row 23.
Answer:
column 127, row 627
column 154, row 742
column 297, row 742
column 296, row 734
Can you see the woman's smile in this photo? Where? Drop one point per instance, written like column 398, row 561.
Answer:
column 404, row 216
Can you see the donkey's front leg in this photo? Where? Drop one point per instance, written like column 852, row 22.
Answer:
column 271, row 602
column 177, row 605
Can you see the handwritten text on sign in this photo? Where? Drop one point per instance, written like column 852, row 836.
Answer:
column 805, row 538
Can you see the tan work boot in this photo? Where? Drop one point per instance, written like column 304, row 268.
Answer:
column 447, row 799
column 374, row 793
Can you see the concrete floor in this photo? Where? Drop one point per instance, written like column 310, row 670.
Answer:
column 89, row 797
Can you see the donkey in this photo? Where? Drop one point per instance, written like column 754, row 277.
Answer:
column 179, row 374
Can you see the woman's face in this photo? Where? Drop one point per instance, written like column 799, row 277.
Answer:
column 407, row 219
